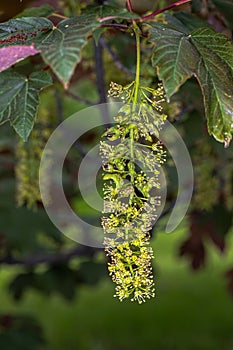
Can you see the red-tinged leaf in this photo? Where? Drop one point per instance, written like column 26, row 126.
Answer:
column 60, row 46
column 13, row 54
column 24, row 31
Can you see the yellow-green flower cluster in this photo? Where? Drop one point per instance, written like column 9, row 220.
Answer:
column 27, row 190
column 28, row 155
column 130, row 268
column 228, row 184
column 207, row 184
column 132, row 157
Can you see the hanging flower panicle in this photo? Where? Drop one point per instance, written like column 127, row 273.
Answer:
column 132, row 157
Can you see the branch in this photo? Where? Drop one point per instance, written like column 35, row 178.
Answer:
column 49, row 258
column 99, row 70
column 59, row 105
column 59, row 258
column 100, row 80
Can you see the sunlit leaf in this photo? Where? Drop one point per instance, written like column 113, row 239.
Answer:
column 12, row 54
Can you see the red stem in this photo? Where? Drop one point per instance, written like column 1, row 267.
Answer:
column 129, row 5
column 153, row 14
column 115, row 25
column 150, row 16
column 107, row 18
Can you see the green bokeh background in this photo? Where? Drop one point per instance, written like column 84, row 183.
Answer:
column 192, row 311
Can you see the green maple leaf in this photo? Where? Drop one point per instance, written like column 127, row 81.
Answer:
column 61, row 49
column 180, row 53
column 19, row 99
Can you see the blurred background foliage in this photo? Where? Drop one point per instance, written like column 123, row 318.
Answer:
column 55, row 294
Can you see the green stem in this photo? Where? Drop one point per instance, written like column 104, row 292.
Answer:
column 131, row 270
column 135, row 95
column 137, row 77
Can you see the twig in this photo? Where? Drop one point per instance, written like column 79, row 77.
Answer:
column 58, row 15
column 115, row 25
column 150, row 16
column 184, row 111
column 115, row 57
column 153, row 14
column 77, row 145
column 78, row 98
column 129, row 5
